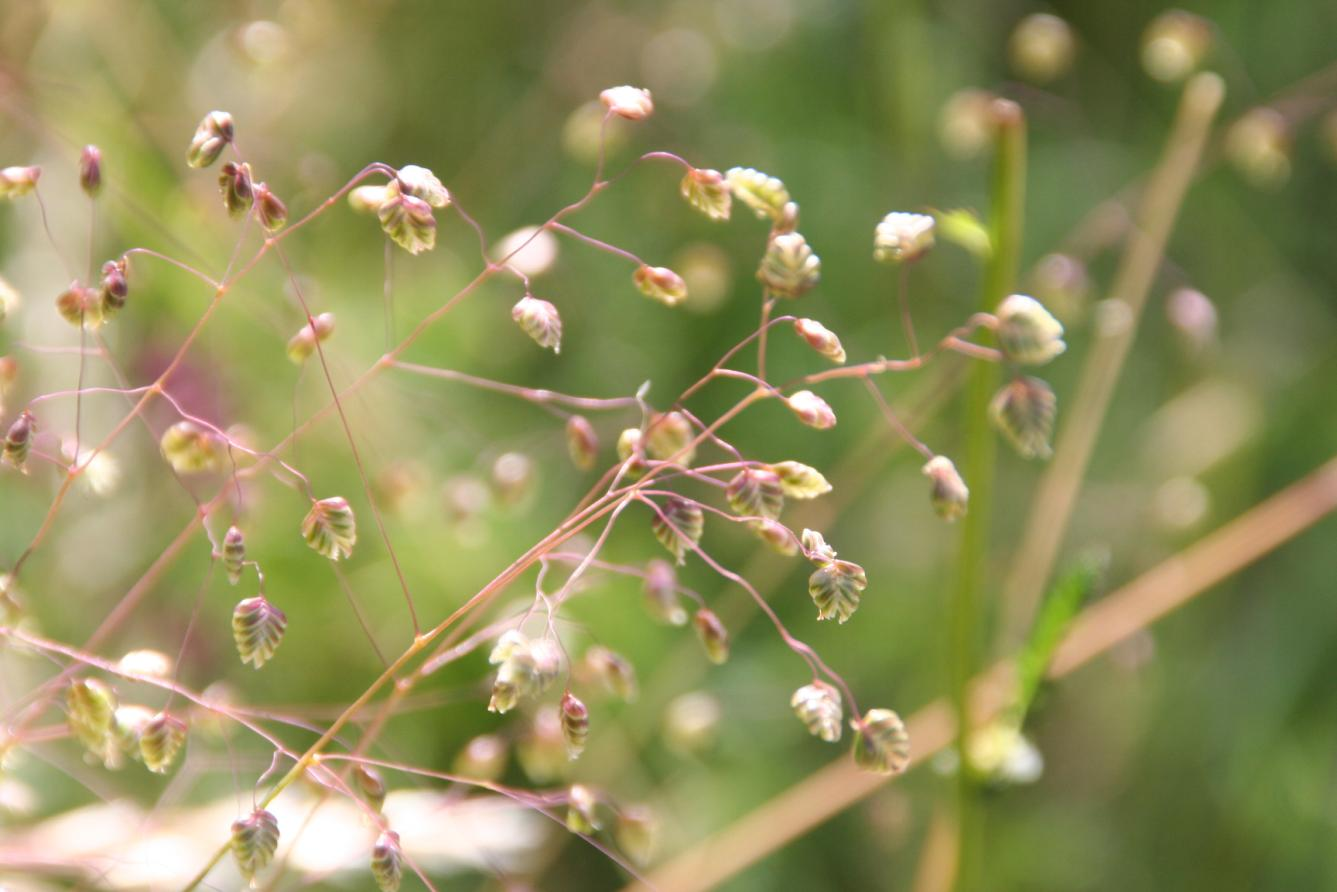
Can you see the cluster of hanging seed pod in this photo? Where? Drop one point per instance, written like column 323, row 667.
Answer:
column 525, row 669
column 109, row 731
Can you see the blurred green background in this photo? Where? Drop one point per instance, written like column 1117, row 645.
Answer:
column 1202, row 755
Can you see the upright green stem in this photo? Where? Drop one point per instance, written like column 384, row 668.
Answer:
column 1005, row 227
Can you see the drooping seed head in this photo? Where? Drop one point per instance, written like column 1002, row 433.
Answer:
column 612, row 671
column 764, row 194
column 636, row 832
column 483, row 758
column 80, row 306
column 212, row 135
column 407, row 220
column 269, row 209
column 525, row 668
column 1023, row 411
column 881, row 744
column 513, row 477
column 191, row 449
column 258, row 628
column 255, row 839
column 714, row 636
column 368, row 199
column 422, row 184
column 370, row 784
column 818, row 707
column 902, row 237
column 540, row 320
column 708, row 192
column 16, row 182
column 234, row 554
column 661, row 593
column 18, row 441
column 756, row 492
column 127, row 731
column 237, row 188
column 1027, row 333
column 811, row 409
column 575, row 724
column 330, row 528
column 387, row 862
column 800, row 481
column 821, row 339
column 90, row 170
column 632, row 103
column 677, row 523
column 541, row 751
column 835, row 587
column 314, row 331
column 669, row 436
column 789, row 267
column 161, row 740
column 582, row 443
column 949, row 494
column 582, row 810
column 660, row 283
column 776, row 536
column 114, row 288
column 91, row 708
column 815, row 548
